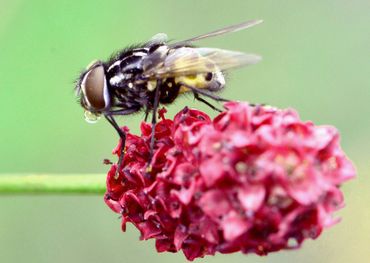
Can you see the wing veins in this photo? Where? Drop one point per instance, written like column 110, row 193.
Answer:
column 222, row 31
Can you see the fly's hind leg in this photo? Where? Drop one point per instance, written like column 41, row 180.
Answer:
column 197, row 91
column 197, row 97
column 204, row 92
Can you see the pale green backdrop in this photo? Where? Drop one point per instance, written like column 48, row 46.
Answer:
column 316, row 59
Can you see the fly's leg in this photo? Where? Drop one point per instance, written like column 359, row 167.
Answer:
column 197, row 91
column 212, row 96
column 203, row 92
column 122, row 135
column 197, row 97
column 154, row 121
column 147, row 111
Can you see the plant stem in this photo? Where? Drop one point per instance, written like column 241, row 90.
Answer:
column 52, row 184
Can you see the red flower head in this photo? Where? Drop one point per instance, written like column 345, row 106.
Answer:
column 254, row 179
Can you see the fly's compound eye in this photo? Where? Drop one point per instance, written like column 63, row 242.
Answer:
column 94, row 88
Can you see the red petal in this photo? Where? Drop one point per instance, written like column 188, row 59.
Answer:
column 251, row 196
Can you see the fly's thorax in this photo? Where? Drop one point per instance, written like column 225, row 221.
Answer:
column 124, row 70
column 158, row 53
column 122, row 80
column 213, row 81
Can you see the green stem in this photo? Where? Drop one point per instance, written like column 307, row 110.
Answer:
column 52, row 184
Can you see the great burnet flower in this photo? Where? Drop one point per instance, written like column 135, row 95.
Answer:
column 253, row 179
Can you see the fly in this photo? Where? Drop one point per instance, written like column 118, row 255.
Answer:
column 157, row 72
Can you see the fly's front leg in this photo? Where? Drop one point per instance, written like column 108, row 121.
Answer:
column 122, row 135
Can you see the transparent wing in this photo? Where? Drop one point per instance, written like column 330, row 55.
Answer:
column 222, row 31
column 188, row 61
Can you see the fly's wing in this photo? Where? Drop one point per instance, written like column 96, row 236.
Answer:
column 222, row 31
column 188, row 61
column 172, row 60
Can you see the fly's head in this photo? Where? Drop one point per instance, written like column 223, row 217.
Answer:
column 92, row 91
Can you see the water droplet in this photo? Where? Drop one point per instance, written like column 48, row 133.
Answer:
column 91, row 117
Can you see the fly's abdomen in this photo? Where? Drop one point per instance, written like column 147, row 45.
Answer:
column 212, row 81
column 169, row 91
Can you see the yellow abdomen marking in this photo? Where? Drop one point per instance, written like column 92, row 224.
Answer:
column 197, row 81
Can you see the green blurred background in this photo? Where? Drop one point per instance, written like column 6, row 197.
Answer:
column 316, row 59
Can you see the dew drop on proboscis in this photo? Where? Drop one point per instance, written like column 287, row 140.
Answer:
column 91, row 117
